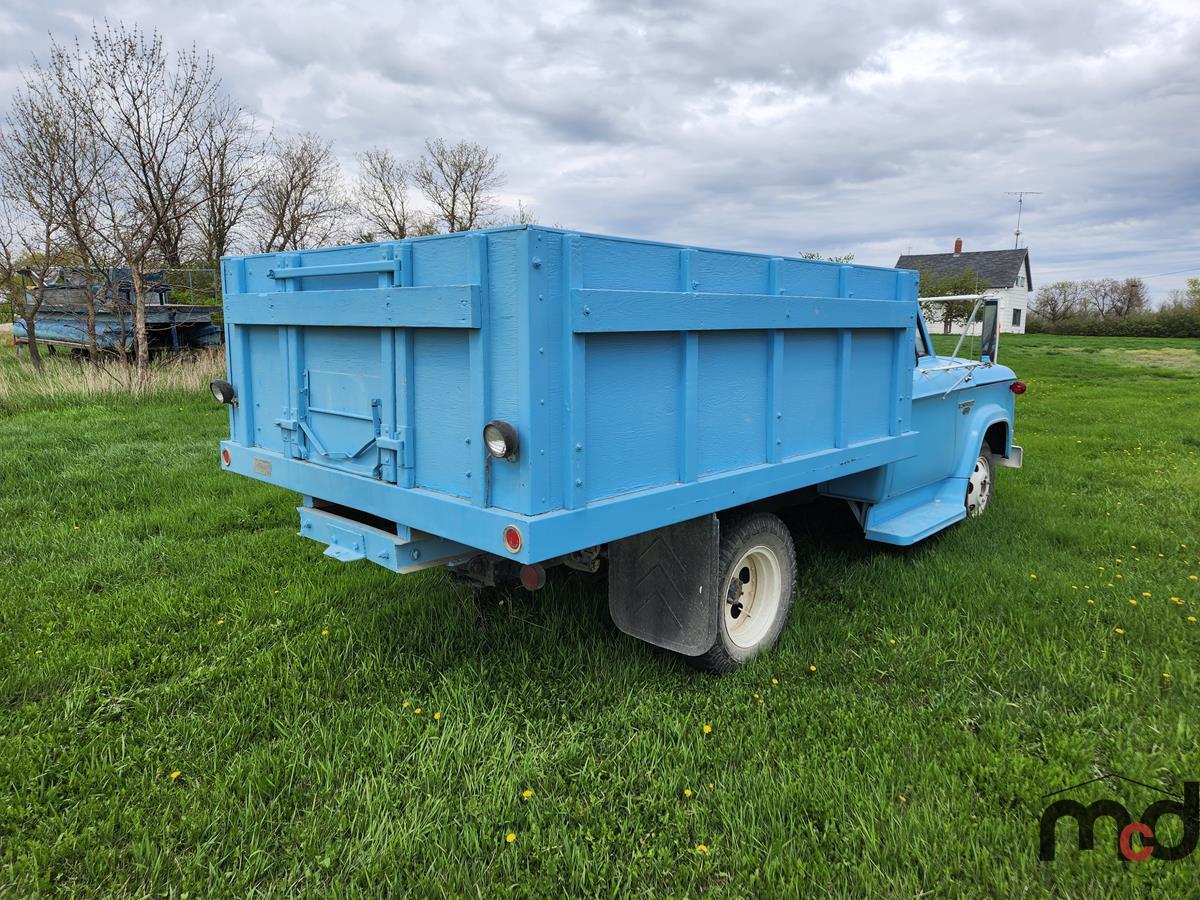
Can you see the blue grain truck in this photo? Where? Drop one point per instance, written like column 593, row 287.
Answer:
column 502, row 401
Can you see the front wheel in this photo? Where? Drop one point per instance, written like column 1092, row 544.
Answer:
column 980, row 484
column 757, row 569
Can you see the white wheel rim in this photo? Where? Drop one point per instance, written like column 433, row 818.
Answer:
column 979, row 486
column 752, row 596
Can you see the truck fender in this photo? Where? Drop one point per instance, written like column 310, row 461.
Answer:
column 662, row 585
column 982, row 418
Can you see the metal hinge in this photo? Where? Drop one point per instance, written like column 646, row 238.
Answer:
column 395, row 453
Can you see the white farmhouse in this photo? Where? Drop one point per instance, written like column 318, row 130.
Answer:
column 1002, row 273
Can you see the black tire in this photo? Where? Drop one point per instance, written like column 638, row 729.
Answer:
column 767, row 536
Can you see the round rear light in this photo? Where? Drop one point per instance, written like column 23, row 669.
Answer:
column 500, row 438
column 225, row 457
column 512, row 539
column 1017, row 387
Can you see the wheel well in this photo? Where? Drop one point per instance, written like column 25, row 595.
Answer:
column 996, row 438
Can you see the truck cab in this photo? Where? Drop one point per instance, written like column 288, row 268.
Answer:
column 962, row 409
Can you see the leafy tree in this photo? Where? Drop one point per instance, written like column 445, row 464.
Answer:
column 951, row 312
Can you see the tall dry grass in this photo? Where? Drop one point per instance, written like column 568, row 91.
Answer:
column 66, row 378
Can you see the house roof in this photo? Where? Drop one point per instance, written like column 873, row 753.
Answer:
column 995, row 268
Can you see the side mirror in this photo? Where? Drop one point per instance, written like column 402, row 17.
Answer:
column 989, row 332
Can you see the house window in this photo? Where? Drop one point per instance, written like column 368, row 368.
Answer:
column 1020, row 281
column 1016, row 318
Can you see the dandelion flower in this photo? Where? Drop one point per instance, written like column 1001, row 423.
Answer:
column 1074, row 587
column 527, row 793
column 437, row 716
column 891, row 640
column 902, row 798
column 1133, row 601
column 404, row 705
column 1177, row 601
column 1133, row 546
column 37, row 652
column 1167, row 675
column 220, row 621
column 701, row 848
column 812, row 668
column 707, row 729
column 1119, row 575
column 175, row 775
column 417, row 710
column 774, row 681
column 324, row 632
column 687, row 792
column 510, row 837
column 1191, row 578
column 1191, row 618
column 1146, row 594
column 1091, row 602
column 1119, row 630
column 1034, row 577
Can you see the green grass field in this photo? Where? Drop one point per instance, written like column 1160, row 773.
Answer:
column 194, row 701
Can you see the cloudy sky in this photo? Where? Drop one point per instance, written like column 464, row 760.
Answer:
column 876, row 128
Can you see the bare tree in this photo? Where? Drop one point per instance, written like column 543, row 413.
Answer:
column 459, row 180
column 33, row 161
column 302, row 201
column 230, row 171
column 1107, row 298
column 141, row 108
column 522, row 215
column 40, row 99
column 382, row 192
column 1059, row 300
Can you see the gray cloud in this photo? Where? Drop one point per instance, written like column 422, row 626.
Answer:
column 858, row 126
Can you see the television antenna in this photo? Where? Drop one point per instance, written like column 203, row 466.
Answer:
column 1020, row 195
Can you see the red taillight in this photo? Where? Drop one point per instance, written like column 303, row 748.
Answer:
column 1017, row 387
column 225, row 457
column 512, row 538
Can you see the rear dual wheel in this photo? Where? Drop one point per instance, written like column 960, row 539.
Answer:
column 757, row 567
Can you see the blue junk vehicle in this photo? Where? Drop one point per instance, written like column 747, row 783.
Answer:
column 503, row 401
column 61, row 320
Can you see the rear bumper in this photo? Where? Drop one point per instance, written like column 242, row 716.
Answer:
column 349, row 541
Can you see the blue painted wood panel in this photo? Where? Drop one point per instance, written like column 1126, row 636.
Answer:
column 732, row 409
column 806, row 407
column 446, row 446
column 633, row 411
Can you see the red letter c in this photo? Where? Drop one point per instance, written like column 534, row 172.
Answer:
column 1125, row 845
